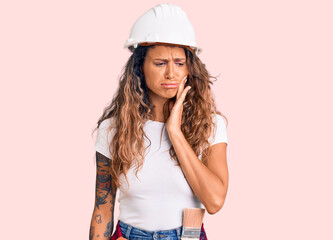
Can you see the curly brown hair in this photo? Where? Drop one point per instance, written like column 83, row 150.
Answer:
column 130, row 109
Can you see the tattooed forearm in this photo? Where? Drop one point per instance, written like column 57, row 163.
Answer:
column 102, row 219
column 103, row 179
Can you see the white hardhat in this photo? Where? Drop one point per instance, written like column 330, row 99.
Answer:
column 165, row 23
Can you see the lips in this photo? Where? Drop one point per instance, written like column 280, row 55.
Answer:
column 170, row 85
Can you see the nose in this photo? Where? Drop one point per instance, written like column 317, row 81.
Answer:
column 169, row 72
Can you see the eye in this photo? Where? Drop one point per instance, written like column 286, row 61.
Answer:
column 180, row 64
column 159, row 64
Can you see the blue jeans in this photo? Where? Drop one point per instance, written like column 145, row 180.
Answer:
column 132, row 233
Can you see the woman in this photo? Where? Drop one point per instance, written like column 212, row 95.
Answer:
column 161, row 141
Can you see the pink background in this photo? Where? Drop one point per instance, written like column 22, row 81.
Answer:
column 59, row 67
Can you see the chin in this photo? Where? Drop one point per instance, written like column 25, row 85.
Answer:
column 166, row 95
column 171, row 95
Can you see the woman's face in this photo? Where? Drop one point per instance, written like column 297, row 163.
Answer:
column 164, row 68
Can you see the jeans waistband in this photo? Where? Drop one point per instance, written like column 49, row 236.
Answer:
column 129, row 229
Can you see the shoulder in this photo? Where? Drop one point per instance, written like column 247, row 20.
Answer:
column 104, row 137
column 106, row 127
column 219, row 120
column 106, row 123
column 219, row 134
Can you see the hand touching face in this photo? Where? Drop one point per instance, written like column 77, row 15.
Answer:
column 174, row 121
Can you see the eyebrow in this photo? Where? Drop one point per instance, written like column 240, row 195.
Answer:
column 177, row 59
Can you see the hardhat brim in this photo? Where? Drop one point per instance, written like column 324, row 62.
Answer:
column 132, row 47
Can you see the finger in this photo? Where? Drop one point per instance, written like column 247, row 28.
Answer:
column 181, row 87
column 178, row 106
column 184, row 93
column 184, row 80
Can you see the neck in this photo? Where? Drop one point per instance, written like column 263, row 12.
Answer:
column 158, row 104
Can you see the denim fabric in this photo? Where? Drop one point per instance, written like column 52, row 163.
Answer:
column 132, row 233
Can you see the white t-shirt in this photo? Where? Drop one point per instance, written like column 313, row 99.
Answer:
column 157, row 199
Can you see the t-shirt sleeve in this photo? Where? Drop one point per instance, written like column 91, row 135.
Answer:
column 103, row 138
column 221, row 131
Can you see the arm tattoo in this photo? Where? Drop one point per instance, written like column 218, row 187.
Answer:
column 105, row 194
column 103, row 179
column 98, row 218
column 108, row 230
